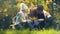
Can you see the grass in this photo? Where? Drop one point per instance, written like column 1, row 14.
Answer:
column 50, row 31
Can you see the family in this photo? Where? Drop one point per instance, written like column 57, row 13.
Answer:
column 34, row 20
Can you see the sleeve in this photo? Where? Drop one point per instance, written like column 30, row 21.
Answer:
column 17, row 19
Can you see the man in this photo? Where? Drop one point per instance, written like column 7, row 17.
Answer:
column 41, row 13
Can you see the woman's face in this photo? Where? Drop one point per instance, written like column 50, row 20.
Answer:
column 25, row 11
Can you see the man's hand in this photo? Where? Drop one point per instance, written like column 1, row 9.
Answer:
column 40, row 20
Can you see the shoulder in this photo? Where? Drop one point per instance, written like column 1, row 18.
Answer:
column 46, row 13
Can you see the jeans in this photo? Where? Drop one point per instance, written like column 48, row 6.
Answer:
column 19, row 27
column 32, row 25
column 36, row 24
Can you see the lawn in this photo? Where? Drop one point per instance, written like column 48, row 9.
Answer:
column 50, row 31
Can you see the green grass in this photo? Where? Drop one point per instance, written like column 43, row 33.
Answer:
column 50, row 31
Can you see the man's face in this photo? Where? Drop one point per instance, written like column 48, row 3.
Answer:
column 39, row 11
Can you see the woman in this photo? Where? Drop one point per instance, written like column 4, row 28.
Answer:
column 21, row 16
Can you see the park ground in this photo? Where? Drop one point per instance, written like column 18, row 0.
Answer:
column 27, row 31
